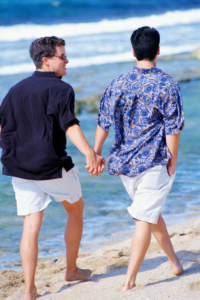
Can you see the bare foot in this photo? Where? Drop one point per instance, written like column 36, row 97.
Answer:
column 31, row 295
column 128, row 286
column 78, row 274
column 176, row 268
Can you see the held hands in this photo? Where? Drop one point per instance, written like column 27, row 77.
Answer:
column 95, row 164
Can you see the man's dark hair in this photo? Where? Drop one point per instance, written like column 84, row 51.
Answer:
column 44, row 47
column 145, row 42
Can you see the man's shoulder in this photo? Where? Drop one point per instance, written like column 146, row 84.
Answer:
column 120, row 80
column 60, row 86
column 26, row 85
column 17, row 87
column 54, row 82
column 63, row 85
column 21, row 83
column 167, row 79
column 126, row 77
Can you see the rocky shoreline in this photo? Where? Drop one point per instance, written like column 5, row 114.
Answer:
column 91, row 103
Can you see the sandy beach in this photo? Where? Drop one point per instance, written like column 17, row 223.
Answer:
column 109, row 264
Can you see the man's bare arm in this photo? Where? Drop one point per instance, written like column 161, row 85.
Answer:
column 100, row 137
column 172, row 141
column 94, row 163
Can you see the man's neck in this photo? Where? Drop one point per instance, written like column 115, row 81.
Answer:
column 146, row 64
column 44, row 69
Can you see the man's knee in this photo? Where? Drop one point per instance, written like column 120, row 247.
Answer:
column 79, row 205
column 76, row 207
column 33, row 222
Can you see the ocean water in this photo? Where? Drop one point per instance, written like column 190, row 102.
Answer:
column 97, row 34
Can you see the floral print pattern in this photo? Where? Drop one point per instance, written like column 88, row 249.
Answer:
column 143, row 106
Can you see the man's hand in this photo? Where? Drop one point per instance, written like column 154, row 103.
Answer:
column 171, row 167
column 95, row 164
column 172, row 143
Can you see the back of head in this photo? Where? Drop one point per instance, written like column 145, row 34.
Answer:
column 44, row 47
column 145, row 42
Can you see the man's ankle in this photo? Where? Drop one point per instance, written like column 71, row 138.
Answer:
column 30, row 293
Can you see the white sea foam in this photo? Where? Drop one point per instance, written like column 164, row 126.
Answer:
column 94, row 60
column 16, row 69
column 31, row 31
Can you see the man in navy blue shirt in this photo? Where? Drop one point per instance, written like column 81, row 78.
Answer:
column 35, row 117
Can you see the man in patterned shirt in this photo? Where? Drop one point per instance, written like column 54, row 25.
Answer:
column 145, row 108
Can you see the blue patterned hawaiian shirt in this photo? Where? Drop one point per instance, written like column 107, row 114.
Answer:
column 143, row 106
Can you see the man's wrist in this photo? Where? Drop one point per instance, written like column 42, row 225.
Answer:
column 98, row 152
column 90, row 153
column 173, row 159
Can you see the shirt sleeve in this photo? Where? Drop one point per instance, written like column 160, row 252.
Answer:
column 173, row 114
column 65, row 110
column 104, row 115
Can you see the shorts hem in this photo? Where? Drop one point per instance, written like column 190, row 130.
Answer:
column 143, row 218
column 22, row 214
column 68, row 200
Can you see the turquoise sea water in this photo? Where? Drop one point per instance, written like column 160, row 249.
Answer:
column 98, row 48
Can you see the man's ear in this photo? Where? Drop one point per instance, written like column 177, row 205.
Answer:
column 158, row 52
column 134, row 53
column 45, row 61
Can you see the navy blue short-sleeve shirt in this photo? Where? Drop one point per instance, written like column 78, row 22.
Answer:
column 34, row 116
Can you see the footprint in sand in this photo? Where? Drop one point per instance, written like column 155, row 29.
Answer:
column 195, row 285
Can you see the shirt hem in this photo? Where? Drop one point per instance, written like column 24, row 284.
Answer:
column 29, row 176
column 163, row 163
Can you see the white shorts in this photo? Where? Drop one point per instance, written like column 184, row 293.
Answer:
column 34, row 195
column 148, row 191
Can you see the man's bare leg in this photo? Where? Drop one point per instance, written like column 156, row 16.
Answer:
column 73, row 234
column 29, row 252
column 140, row 244
column 160, row 232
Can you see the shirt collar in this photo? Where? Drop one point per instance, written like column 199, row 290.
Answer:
column 145, row 70
column 46, row 74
